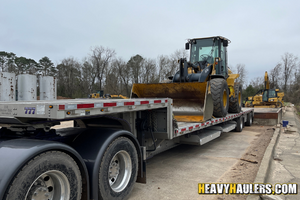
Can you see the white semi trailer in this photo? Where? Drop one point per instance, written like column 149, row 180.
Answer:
column 103, row 155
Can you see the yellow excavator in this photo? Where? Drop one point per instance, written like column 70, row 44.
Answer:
column 116, row 96
column 266, row 98
column 203, row 87
column 99, row 94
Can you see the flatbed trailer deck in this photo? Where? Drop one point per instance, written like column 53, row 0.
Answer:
column 107, row 149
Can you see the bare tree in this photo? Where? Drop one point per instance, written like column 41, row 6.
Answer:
column 87, row 76
column 275, row 76
column 112, row 81
column 257, row 83
column 100, row 59
column 162, row 64
column 289, row 64
column 124, row 73
column 149, row 71
column 69, row 78
column 136, row 64
column 241, row 70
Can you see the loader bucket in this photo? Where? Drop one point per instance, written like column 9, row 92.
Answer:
column 191, row 101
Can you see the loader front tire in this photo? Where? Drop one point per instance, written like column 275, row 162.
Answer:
column 235, row 105
column 220, row 95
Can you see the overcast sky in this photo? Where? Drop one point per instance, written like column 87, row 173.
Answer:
column 260, row 31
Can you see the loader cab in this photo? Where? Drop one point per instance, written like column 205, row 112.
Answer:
column 207, row 51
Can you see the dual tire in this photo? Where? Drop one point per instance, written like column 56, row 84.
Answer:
column 118, row 170
column 50, row 175
column 55, row 175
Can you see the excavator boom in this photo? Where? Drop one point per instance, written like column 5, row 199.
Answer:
column 267, row 83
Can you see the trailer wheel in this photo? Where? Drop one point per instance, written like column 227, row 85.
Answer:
column 51, row 175
column 220, row 96
column 249, row 119
column 239, row 124
column 235, row 105
column 118, row 169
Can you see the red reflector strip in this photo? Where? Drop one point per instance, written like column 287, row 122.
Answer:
column 207, row 123
column 197, row 125
column 109, row 104
column 89, row 105
column 61, row 107
column 190, row 128
column 202, row 124
column 157, row 101
column 144, row 102
column 184, row 129
column 128, row 103
column 166, row 100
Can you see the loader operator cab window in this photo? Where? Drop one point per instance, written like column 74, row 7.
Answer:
column 203, row 52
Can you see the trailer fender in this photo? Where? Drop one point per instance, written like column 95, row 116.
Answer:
column 92, row 144
column 14, row 154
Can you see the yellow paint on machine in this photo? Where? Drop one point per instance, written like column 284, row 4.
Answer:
column 189, row 98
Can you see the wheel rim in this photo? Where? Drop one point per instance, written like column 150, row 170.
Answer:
column 224, row 98
column 51, row 185
column 119, row 171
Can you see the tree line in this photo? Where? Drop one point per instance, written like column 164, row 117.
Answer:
column 102, row 69
column 285, row 76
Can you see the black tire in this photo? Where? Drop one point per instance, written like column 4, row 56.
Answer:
column 112, row 186
column 235, row 106
column 49, row 173
column 239, row 124
column 249, row 119
column 220, row 96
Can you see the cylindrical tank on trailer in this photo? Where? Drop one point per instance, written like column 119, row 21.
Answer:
column 48, row 86
column 7, row 86
column 26, row 87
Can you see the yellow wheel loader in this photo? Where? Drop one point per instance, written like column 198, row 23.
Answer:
column 266, row 98
column 203, row 87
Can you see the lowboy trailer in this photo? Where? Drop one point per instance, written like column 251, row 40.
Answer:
column 103, row 155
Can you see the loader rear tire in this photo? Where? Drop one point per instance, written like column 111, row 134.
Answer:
column 220, row 95
column 235, row 106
